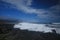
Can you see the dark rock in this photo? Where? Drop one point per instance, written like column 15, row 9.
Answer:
column 17, row 34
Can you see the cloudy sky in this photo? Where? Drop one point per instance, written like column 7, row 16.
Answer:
column 42, row 11
column 35, row 11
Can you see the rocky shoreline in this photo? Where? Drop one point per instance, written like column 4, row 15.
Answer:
column 7, row 32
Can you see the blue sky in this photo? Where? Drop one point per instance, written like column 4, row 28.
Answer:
column 43, row 11
column 43, row 4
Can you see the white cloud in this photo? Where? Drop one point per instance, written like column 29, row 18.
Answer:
column 54, row 11
column 29, row 2
column 33, row 27
column 24, row 6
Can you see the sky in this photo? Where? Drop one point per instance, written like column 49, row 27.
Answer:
column 32, row 11
column 38, row 11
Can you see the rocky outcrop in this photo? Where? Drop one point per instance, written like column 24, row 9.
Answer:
column 4, row 28
column 7, row 32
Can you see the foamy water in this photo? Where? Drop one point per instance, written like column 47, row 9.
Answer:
column 33, row 27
